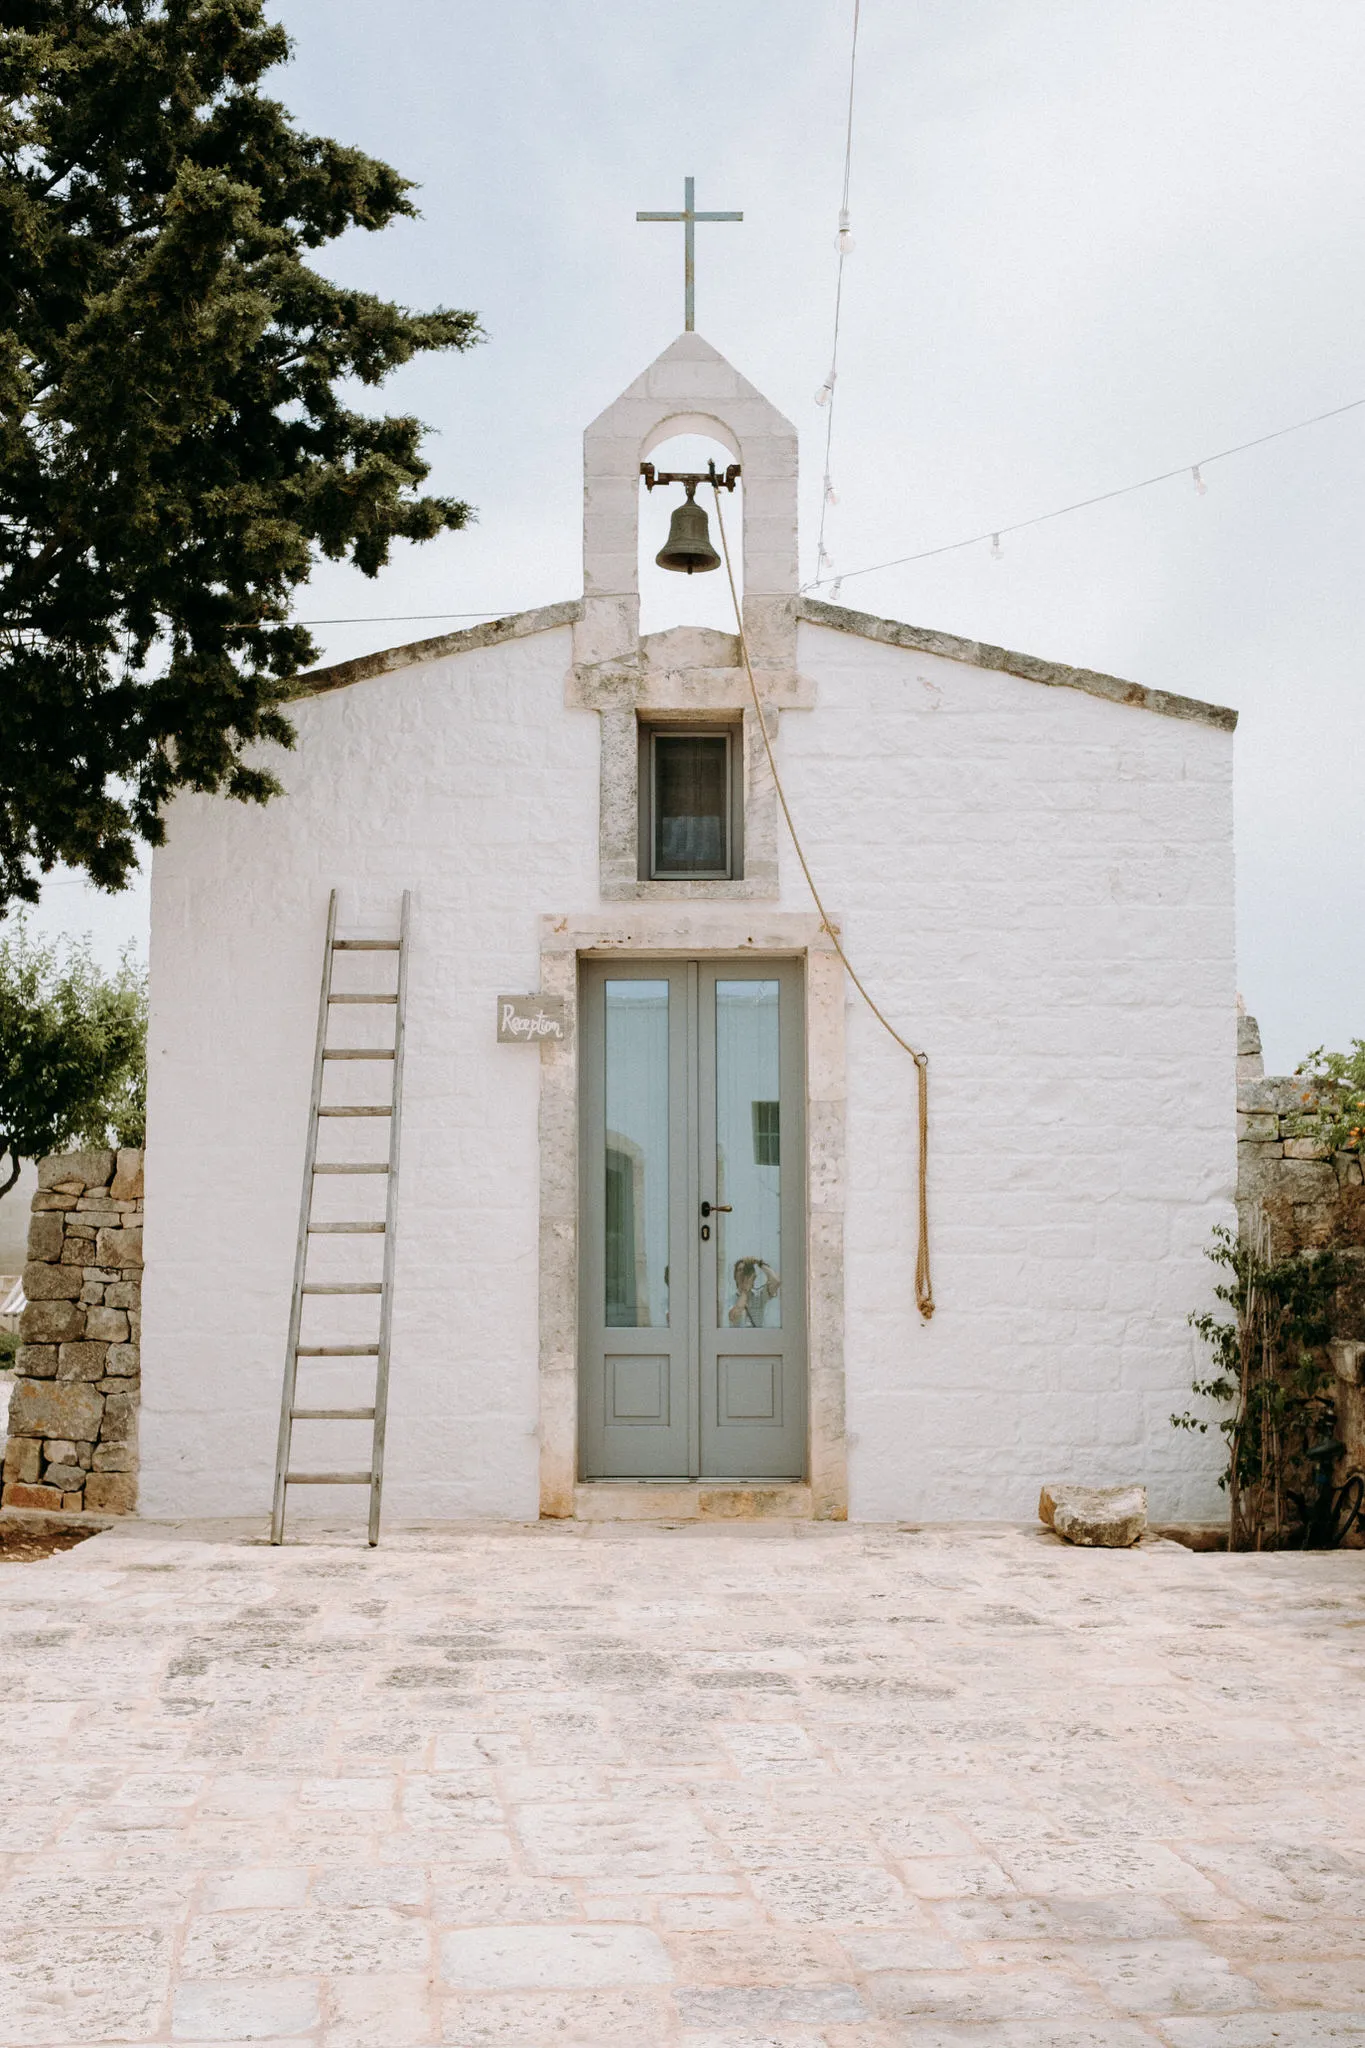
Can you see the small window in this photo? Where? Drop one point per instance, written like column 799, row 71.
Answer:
column 691, row 804
column 767, row 1133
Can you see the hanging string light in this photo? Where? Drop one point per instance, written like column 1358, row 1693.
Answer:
column 1194, row 470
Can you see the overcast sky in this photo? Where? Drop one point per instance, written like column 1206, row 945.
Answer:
column 1093, row 242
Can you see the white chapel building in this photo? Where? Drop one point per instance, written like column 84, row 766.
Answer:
column 663, row 1263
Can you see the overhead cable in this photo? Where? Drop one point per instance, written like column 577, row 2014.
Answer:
column 1194, row 470
column 844, row 244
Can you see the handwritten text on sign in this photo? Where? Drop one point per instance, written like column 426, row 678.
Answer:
column 530, row 1020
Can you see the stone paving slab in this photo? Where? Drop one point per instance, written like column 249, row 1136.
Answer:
column 596, row 1786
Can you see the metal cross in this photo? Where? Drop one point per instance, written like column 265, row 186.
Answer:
column 689, row 217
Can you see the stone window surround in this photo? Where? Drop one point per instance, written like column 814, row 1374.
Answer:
column 687, row 675
column 730, row 730
column 674, row 932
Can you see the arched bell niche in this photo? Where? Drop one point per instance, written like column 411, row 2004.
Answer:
column 667, row 596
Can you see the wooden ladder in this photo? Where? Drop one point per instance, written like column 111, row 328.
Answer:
column 290, row 1412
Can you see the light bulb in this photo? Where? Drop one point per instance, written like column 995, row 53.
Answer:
column 835, row 588
column 844, row 241
column 1200, row 486
column 826, row 391
column 997, row 552
column 831, row 495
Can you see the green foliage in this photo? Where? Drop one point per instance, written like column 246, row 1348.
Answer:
column 9, row 1349
column 1334, row 1101
column 73, row 1051
column 173, row 448
column 1269, row 1373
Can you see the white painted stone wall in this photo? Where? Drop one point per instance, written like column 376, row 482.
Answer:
column 1038, row 885
column 467, row 781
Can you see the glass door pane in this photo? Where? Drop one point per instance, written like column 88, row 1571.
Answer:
column 635, row 1161
column 748, row 1156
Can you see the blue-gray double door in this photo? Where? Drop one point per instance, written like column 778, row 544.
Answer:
column 692, row 1359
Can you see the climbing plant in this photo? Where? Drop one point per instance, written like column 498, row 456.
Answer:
column 1334, row 1098
column 1269, row 1374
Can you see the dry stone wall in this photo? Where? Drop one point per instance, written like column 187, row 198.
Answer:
column 73, row 1413
column 1314, row 1200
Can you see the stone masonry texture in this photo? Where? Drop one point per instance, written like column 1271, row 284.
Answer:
column 73, row 1413
column 1314, row 1201
column 601, row 1786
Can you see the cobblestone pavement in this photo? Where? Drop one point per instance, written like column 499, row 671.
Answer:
column 759, row 1787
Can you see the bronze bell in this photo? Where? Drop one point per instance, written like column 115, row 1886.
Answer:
column 688, row 547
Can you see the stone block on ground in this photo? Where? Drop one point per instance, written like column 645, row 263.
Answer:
column 1101, row 1517
column 69, row 1478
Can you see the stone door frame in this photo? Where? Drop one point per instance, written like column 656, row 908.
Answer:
column 679, row 931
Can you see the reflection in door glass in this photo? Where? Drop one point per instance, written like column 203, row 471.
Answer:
column 748, row 1156
column 636, row 1163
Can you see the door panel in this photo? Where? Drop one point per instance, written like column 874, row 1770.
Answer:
column 692, row 1344
column 636, row 1367
column 752, row 1353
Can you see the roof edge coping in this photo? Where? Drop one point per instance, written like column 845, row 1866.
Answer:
column 816, row 612
column 314, row 682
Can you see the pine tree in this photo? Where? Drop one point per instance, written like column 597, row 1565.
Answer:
column 174, row 448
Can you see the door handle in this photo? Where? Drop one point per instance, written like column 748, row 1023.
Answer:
column 717, row 1208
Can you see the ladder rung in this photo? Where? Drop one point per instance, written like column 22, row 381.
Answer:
column 328, row 1478
column 362, row 999
column 338, row 1166
column 345, row 1230
column 358, row 1052
column 361, row 1109
column 366, row 945
column 332, row 1414
column 342, row 1287
column 337, row 1351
